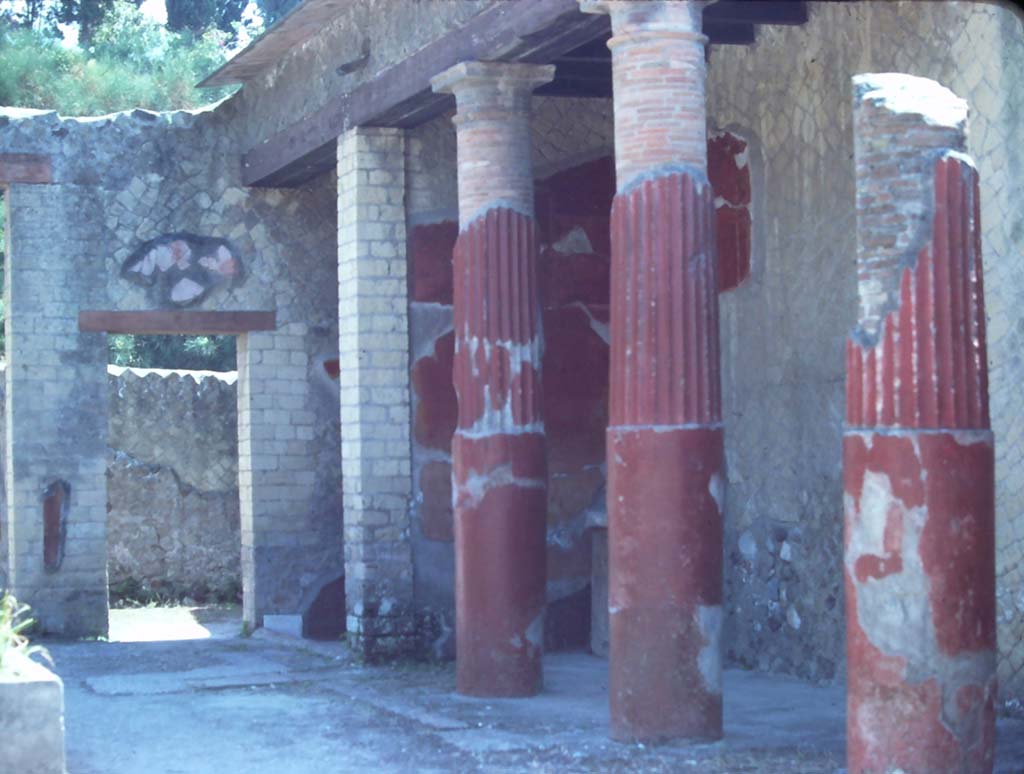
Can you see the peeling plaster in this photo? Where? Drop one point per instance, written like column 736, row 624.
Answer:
column 474, row 489
column 894, row 611
column 709, row 659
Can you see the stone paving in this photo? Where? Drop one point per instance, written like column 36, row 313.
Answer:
column 206, row 699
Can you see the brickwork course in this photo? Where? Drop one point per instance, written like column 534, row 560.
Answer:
column 350, row 240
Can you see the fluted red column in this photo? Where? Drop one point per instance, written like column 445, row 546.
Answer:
column 499, row 462
column 918, row 457
column 665, row 456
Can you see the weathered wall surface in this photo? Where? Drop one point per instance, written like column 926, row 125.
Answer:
column 172, row 483
column 135, row 218
column 309, row 78
column 783, row 330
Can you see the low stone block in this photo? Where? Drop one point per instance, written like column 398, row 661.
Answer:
column 31, row 716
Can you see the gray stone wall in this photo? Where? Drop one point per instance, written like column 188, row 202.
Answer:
column 783, row 330
column 172, row 483
column 119, row 182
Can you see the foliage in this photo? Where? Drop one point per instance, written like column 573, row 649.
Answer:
column 273, row 10
column 198, row 15
column 131, row 61
column 126, row 60
column 198, row 353
column 89, row 15
column 14, row 622
column 29, row 13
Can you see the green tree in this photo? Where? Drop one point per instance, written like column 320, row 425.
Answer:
column 200, row 15
column 87, row 14
column 29, row 13
column 196, row 353
column 130, row 61
column 273, row 10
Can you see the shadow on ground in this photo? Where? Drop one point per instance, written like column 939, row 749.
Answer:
column 209, row 700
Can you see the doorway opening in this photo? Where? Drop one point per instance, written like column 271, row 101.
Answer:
column 173, row 508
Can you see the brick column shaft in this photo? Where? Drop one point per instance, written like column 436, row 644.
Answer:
column 499, row 463
column 917, row 452
column 665, row 454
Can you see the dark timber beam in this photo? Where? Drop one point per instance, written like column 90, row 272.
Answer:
column 513, row 31
column 723, row 33
column 539, row 31
column 25, row 168
column 178, row 322
column 756, row 12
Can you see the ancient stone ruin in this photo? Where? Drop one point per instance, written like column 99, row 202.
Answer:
column 568, row 325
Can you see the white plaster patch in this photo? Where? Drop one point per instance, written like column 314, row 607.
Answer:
column 743, row 157
column 501, row 420
column 895, row 611
column 793, row 617
column 716, row 486
column 709, row 659
column 902, row 93
column 748, row 545
column 786, row 552
column 476, row 487
column 573, row 243
column 598, row 327
column 535, row 631
column 185, row 290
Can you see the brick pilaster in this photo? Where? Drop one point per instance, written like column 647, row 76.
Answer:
column 374, row 362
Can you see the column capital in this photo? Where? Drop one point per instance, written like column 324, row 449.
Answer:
column 493, row 131
column 630, row 19
column 497, row 79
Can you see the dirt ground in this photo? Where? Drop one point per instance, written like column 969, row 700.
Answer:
column 178, row 691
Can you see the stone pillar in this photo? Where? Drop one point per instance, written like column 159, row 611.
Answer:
column 276, row 475
column 665, row 457
column 373, row 344
column 917, row 451
column 55, row 444
column 499, row 466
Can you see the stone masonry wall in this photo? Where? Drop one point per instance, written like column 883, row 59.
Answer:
column 313, row 75
column 146, row 211
column 172, row 483
column 783, row 329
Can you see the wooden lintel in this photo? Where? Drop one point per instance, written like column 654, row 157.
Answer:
column 25, row 168
column 178, row 322
column 723, row 33
column 526, row 31
column 756, row 12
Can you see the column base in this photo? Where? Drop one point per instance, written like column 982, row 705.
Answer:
column 665, row 489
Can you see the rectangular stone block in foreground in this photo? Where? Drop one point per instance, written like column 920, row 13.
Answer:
column 31, row 718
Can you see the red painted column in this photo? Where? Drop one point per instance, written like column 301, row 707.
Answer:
column 917, row 451
column 665, row 456
column 498, row 451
